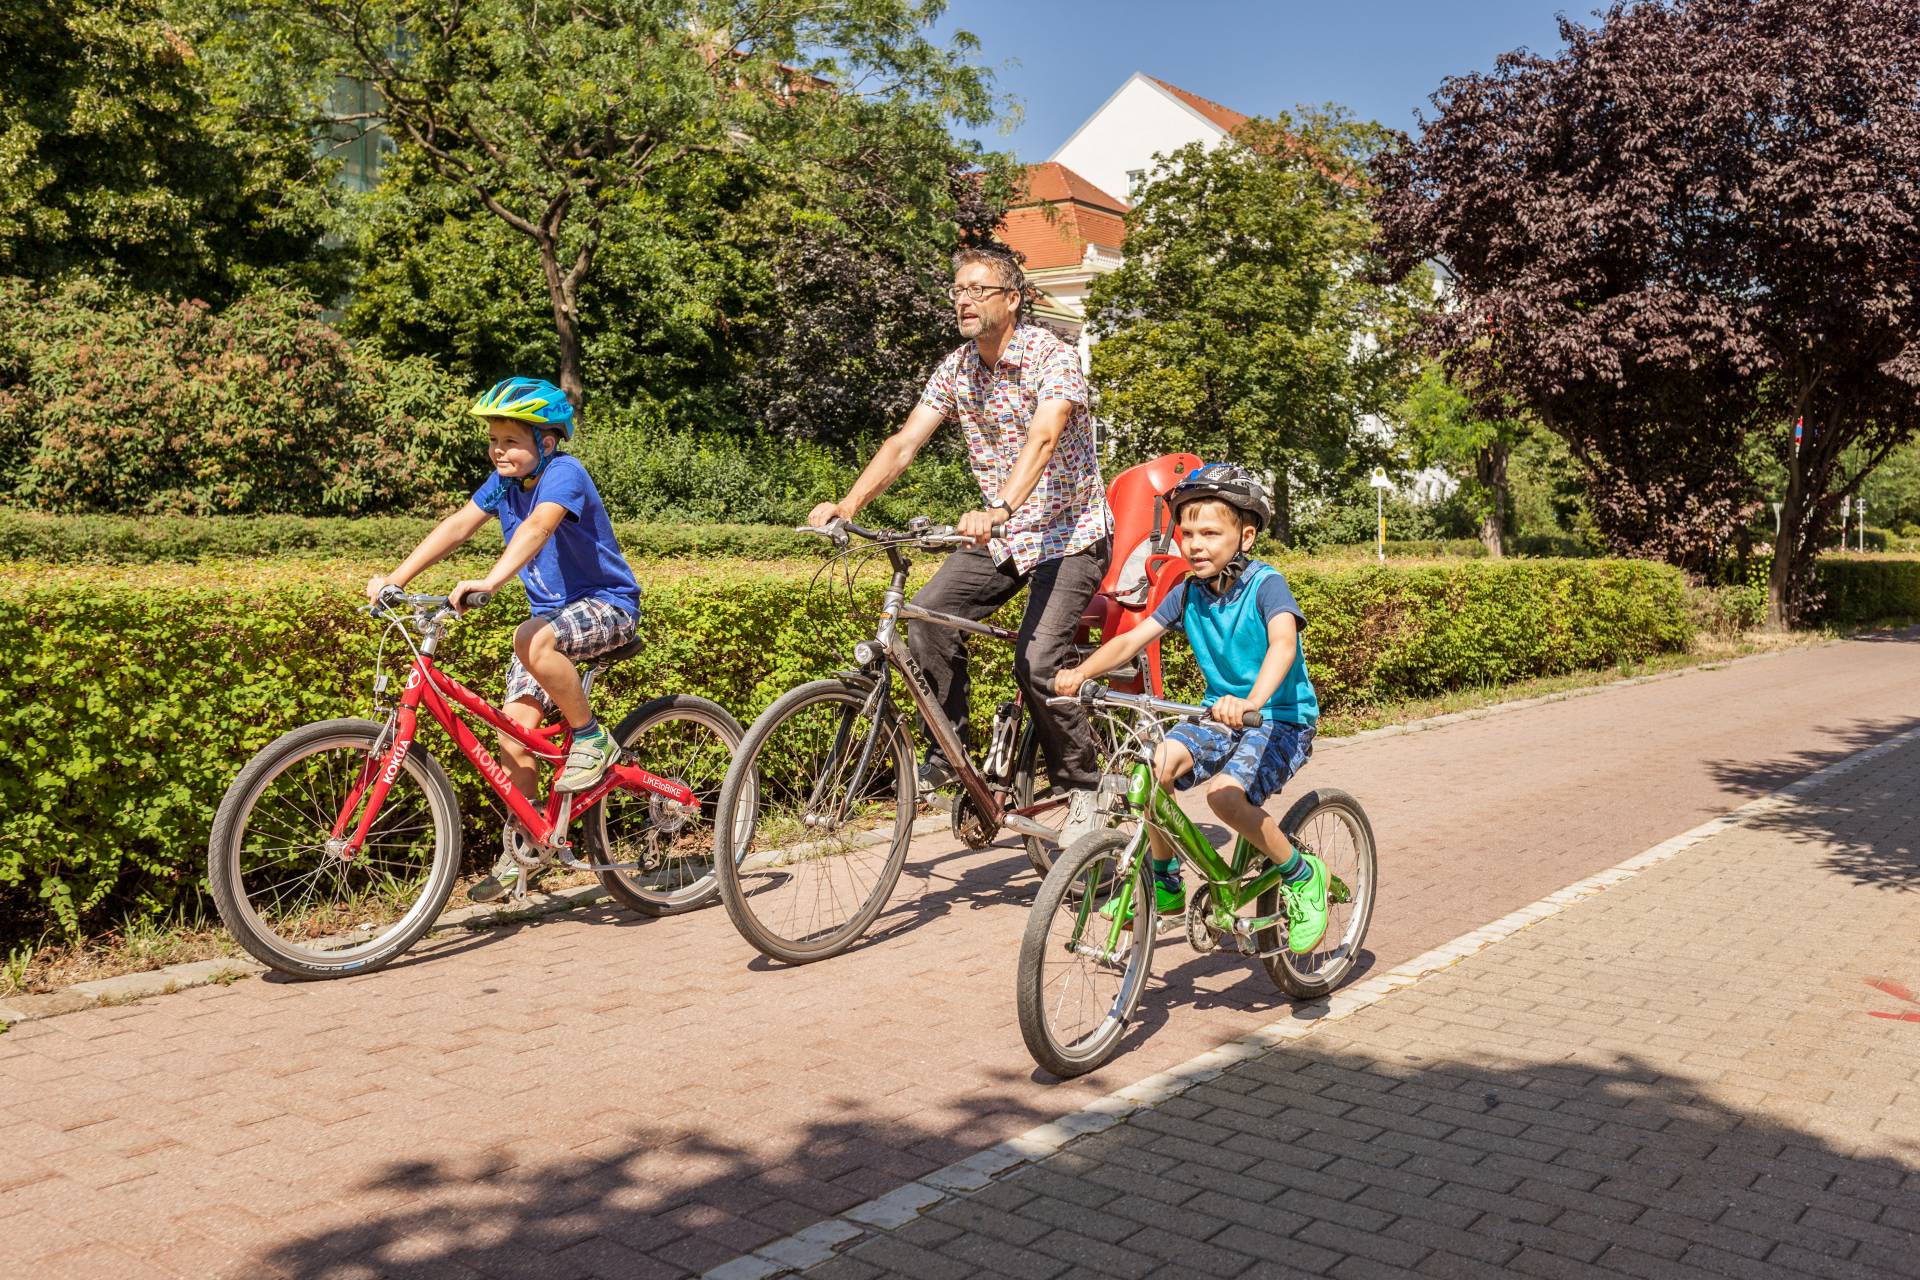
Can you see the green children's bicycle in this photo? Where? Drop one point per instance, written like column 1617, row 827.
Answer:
column 1088, row 947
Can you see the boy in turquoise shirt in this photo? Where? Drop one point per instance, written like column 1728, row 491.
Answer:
column 1244, row 625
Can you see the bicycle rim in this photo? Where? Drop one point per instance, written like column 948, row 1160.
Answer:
column 1080, row 977
column 1330, row 825
column 685, row 740
column 830, row 829
column 305, row 909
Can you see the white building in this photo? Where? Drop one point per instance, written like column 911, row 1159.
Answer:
column 1145, row 117
column 1069, row 225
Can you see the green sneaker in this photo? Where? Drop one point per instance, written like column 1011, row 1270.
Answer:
column 1169, row 899
column 1306, row 903
column 507, row 873
column 587, row 762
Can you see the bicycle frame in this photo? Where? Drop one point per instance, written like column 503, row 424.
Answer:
column 439, row 693
column 890, row 647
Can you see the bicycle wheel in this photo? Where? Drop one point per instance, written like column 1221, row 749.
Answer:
column 280, row 883
column 1331, row 825
column 1030, row 785
column 805, row 869
column 686, row 740
column 1081, row 976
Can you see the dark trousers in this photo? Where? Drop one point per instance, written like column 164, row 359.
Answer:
column 972, row 586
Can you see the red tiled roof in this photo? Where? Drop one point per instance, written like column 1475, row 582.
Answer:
column 1059, row 215
column 1226, row 117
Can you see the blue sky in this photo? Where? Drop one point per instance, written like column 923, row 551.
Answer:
column 1381, row 58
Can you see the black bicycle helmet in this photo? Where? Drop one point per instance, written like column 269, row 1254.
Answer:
column 1234, row 485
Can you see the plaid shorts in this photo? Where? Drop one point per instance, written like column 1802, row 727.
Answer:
column 1261, row 760
column 581, row 630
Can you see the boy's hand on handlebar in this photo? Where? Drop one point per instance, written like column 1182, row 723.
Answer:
column 1067, row 682
column 375, row 586
column 825, row 514
column 470, row 594
column 1231, row 711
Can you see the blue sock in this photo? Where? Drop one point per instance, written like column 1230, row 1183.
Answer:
column 1295, row 869
column 587, row 730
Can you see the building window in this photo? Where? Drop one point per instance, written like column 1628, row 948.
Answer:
column 358, row 143
column 1136, row 180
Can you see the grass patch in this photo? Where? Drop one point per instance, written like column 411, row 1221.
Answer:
column 138, row 945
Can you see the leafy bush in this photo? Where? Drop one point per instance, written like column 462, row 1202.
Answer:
column 123, row 402
column 1728, row 610
column 1866, row 588
column 131, row 698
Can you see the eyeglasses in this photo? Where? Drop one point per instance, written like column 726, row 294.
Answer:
column 975, row 292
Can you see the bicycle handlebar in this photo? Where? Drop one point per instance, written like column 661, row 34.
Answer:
column 392, row 597
column 933, row 536
column 1093, row 691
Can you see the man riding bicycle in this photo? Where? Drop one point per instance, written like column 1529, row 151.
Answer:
column 1021, row 399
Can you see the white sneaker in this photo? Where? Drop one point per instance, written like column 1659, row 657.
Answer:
column 1083, row 817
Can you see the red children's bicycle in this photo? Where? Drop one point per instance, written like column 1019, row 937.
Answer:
column 338, row 845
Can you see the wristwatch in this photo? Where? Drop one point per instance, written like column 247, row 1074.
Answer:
column 1002, row 504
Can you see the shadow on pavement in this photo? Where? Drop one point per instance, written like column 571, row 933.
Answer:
column 1318, row 1154
column 1838, row 824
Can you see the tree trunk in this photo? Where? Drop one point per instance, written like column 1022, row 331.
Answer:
column 1282, row 507
column 1490, row 469
column 566, row 321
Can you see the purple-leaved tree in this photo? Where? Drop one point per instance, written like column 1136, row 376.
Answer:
column 1697, row 224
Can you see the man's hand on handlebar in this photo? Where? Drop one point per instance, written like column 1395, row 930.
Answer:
column 825, row 514
column 979, row 525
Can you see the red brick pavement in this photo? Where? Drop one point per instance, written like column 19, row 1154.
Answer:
column 601, row 1095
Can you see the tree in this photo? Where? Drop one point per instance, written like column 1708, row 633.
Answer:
column 122, row 150
column 1699, row 222
column 1243, row 323
column 1443, row 426
column 556, row 117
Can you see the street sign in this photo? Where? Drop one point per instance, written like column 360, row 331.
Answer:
column 1379, row 479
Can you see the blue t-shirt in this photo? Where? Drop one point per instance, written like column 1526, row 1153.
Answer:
column 1229, row 638
column 582, row 559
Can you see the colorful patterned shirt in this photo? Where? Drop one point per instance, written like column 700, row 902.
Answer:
column 1067, row 510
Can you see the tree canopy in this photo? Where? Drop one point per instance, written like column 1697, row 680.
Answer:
column 121, row 153
column 1696, row 224
column 1245, row 322
column 565, row 122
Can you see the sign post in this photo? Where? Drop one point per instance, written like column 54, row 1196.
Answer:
column 1380, row 485
column 1845, row 509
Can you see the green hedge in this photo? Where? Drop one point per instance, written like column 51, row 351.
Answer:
column 1866, row 588
column 130, row 698
column 105, row 539
column 376, row 539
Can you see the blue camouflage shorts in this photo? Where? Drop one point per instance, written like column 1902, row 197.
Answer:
column 584, row 629
column 1260, row 760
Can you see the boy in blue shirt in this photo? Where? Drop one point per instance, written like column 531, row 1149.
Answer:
column 1244, row 625
column 560, row 542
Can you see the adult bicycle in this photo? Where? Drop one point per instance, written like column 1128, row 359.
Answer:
column 830, row 766
column 1088, row 947
column 339, row 843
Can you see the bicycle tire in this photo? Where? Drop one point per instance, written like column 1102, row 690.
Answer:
column 1028, row 767
column 1063, row 894
column 1358, row 870
column 238, row 809
column 661, row 819
column 751, row 864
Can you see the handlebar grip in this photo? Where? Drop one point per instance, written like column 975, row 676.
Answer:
column 1251, row 720
column 392, row 597
column 475, row 600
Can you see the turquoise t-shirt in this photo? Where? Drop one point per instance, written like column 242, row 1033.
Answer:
column 1229, row 638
